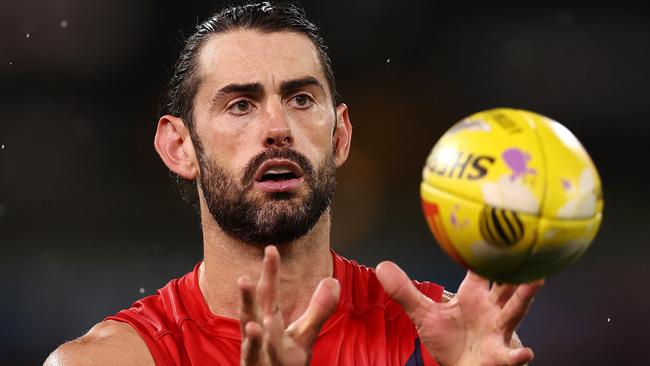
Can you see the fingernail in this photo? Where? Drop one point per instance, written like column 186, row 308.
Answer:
column 267, row 321
column 336, row 291
column 514, row 353
column 269, row 249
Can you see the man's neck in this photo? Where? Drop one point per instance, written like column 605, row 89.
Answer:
column 303, row 264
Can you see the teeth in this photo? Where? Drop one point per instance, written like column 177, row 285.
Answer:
column 278, row 171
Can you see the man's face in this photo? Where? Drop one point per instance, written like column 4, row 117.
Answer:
column 264, row 122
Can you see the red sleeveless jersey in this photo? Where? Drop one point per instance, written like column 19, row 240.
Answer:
column 367, row 328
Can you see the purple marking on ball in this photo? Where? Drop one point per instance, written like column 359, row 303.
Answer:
column 566, row 184
column 453, row 218
column 517, row 161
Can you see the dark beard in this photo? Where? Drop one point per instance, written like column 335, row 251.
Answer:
column 274, row 218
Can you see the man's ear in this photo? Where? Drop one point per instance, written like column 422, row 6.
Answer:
column 342, row 135
column 174, row 145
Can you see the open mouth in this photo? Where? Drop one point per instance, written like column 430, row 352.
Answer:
column 279, row 175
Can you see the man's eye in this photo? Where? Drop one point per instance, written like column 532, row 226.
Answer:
column 302, row 101
column 241, row 107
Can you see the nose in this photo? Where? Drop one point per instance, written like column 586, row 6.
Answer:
column 278, row 132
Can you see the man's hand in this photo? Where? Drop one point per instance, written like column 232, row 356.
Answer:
column 266, row 340
column 473, row 328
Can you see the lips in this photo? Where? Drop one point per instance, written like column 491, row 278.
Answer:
column 278, row 175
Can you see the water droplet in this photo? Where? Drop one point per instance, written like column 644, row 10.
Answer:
column 64, row 24
column 387, row 60
column 11, row 63
column 27, row 35
column 142, row 290
column 609, row 319
column 2, row 147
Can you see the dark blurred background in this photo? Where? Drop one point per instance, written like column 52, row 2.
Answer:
column 89, row 221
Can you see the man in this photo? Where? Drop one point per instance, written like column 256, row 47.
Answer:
column 252, row 120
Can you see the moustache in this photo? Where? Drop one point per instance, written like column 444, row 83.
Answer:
column 287, row 154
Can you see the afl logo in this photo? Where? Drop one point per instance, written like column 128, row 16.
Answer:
column 500, row 227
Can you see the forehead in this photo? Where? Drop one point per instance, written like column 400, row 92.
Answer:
column 245, row 55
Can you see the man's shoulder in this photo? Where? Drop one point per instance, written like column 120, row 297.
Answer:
column 164, row 311
column 107, row 343
column 126, row 337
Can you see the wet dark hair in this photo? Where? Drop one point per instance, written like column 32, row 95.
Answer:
column 178, row 99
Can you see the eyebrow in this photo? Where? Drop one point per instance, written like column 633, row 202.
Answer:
column 256, row 88
column 292, row 85
column 249, row 88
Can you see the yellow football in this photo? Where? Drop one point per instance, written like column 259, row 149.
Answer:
column 511, row 195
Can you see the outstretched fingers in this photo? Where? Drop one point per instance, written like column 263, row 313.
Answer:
column 397, row 284
column 519, row 356
column 268, row 284
column 250, row 322
column 260, row 319
column 249, row 310
column 517, row 306
column 501, row 293
column 273, row 337
column 251, row 343
column 321, row 306
column 473, row 283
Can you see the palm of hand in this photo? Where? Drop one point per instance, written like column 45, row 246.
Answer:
column 473, row 328
column 265, row 339
column 282, row 347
